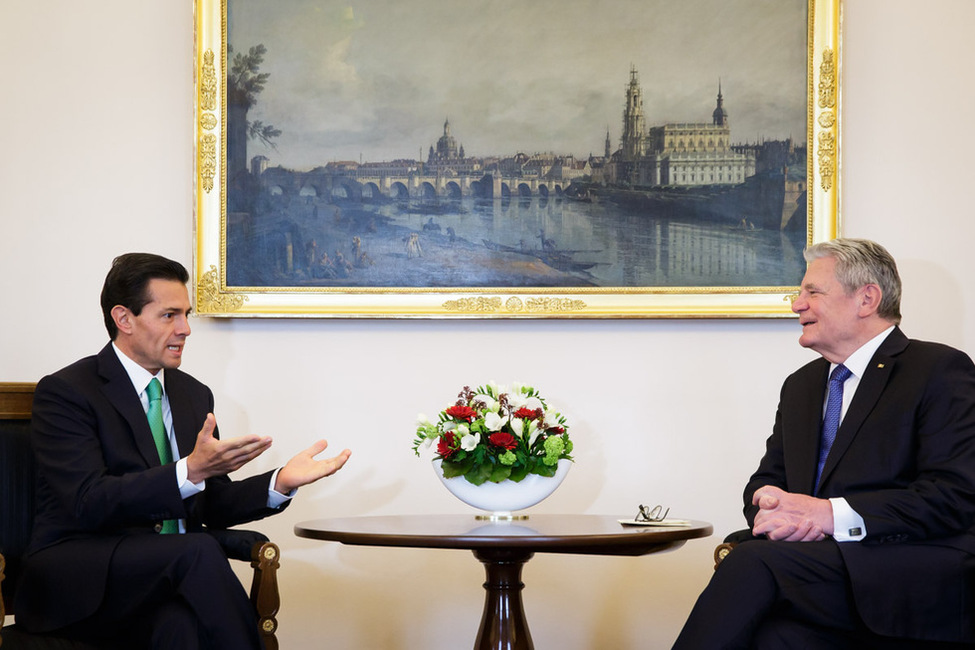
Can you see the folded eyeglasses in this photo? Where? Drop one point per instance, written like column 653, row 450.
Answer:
column 656, row 513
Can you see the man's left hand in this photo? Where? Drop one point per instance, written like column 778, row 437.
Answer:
column 304, row 469
column 791, row 517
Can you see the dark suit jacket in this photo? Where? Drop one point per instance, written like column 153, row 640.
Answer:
column 904, row 459
column 99, row 479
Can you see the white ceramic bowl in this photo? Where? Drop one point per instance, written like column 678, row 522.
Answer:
column 507, row 496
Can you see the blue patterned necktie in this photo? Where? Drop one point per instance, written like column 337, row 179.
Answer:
column 158, row 427
column 831, row 421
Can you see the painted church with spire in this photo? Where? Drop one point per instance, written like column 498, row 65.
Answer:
column 678, row 154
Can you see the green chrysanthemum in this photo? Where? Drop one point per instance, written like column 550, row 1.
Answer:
column 554, row 446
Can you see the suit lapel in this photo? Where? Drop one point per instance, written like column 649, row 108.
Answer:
column 185, row 427
column 871, row 387
column 119, row 391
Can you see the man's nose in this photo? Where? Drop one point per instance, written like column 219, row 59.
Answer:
column 183, row 327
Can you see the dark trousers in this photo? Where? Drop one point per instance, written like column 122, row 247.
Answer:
column 797, row 596
column 775, row 595
column 173, row 592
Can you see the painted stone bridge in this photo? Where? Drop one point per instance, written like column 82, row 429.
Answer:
column 324, row 183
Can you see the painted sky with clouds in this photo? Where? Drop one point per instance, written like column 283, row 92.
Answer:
column 374, row 80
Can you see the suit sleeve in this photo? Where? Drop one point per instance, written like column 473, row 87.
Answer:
column 771, row 469
column 930, row 492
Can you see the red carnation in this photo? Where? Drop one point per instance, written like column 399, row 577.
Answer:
column 555, row 431
column 462, row 413
column 526, row 413
column 446, row 446
column 503, row 439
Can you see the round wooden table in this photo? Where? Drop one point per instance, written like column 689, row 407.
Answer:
column 504, row 547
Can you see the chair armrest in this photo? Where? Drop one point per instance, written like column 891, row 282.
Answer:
column 264, row 590
column 731, row 541
column 238, row 544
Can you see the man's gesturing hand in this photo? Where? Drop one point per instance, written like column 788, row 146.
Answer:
column 791, row 517
column 304, row 469
column 211, row 456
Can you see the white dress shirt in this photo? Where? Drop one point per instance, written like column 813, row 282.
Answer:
column 848, row 526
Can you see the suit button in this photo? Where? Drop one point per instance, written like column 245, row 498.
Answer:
column 157, row 527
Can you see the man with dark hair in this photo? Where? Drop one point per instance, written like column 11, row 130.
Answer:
column 127, row 283
column 128, row 450
column 862, row 509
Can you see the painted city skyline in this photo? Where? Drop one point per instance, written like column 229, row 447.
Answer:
column 373, row 81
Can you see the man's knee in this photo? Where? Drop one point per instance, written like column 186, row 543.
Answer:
column 811, row 560
column 198, row 552
column 204, row 545
column 749, row 558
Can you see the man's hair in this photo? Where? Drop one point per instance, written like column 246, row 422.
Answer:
column 127, row 283
column 860, row 262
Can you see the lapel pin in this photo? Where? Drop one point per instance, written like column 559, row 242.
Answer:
column 880, row 365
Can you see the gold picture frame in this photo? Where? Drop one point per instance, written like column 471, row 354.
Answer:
column 218, row 294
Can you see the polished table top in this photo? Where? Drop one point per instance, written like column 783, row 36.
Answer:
column 588, row 534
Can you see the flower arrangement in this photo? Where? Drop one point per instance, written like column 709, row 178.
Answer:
column 493, row 433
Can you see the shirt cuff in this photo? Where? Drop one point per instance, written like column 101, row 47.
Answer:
column 848, row 526
column 274, row 498
column 186, row 488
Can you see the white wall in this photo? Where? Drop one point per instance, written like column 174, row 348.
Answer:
column 96, row 158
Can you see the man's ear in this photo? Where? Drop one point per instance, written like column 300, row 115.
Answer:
column 870, row 295
column 123, row 318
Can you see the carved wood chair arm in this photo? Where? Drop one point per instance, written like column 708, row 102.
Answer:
column 264, row 590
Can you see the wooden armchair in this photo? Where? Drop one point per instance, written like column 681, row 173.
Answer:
column 16, row 514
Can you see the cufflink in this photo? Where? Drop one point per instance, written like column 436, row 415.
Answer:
column 854, row 532
column 157, row 527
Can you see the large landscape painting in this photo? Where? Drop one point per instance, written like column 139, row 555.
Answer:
column 510, row 158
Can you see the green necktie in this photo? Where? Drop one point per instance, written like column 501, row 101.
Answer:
column 154, row 391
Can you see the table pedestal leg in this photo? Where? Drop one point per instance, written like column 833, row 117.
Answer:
column 503, row 624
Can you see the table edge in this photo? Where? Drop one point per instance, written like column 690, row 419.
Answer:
column 638, row 542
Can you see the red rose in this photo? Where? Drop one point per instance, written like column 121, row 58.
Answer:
column 503, row 439
column 446, row 446
column 526, row 413
column 462, row 413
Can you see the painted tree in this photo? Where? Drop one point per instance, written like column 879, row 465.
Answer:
column 245, row 82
